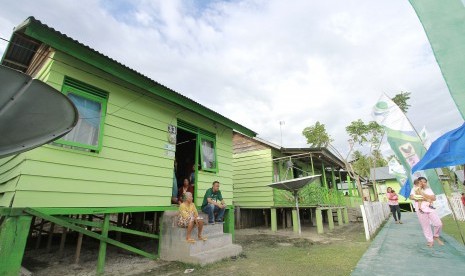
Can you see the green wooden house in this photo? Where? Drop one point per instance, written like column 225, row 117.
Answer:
column 384, row 179
column 118, row 159
column 258, row 163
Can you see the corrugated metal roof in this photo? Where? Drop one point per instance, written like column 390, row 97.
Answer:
column 20, row 52
column 381, row 173
column 34, row 28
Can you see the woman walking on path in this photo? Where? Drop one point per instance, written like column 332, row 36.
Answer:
column 426, row 214
column 393, row 201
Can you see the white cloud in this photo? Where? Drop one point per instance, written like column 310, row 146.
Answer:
column 261, row 62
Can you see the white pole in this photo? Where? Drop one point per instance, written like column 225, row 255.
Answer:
column 298, row 213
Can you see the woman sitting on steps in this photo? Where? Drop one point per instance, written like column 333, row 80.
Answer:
column 188, row 217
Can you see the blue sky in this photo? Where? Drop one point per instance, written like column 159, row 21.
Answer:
column 260, row 62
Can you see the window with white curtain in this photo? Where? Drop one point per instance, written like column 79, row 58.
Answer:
column 208, row 155
column 91, row 105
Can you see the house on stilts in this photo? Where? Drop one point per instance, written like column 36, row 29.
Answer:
column 258, row 163
column 112, row 176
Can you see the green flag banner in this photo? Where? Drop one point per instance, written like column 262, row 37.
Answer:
column 407, row 145
column 444, row 24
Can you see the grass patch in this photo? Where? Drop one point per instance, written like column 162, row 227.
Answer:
column 269, row 255
column 450, row 227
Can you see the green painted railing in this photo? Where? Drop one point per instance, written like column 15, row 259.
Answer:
column 316, row 195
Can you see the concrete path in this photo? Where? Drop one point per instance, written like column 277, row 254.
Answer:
column 400, row 249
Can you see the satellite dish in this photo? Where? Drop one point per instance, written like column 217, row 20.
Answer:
column 294, row 185
column 32, row 113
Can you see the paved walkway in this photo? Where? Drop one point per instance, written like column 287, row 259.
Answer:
column 400, row 249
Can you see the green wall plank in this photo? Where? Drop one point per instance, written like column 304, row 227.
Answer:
column 44, row 199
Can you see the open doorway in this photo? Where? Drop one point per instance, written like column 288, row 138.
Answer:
column 185, row 156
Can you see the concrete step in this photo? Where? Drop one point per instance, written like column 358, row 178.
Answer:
column 201, row 246
column 170, row 221
column 215, row 255
column 208, row 230
column 175, row 248
column 179, row 249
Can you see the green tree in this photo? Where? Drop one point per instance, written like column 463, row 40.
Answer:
column 361, row 164
column 362, row 133
column 366, row 134
column 401, row 100
column 317, row 136
column 379, row 159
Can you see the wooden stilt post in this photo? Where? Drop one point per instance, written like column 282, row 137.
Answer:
column 79, row 244
column 63, row 241
column 288, row 219
column 50, row 237
column 238, row 217
column 13, row 237
column 266, row 217
column 154, row 226
column 339, row 217
column 103, row 246
column 283, row 214
column 313, row 216
column 319, row 221
column 39, row 235
column 119, row 222
column 31, row 229
column 346, row 216
column 295, row 221
column 274, row 221
column 330, row 219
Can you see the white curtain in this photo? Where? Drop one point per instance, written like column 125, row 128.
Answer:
column 87, row 129
column 208, row 154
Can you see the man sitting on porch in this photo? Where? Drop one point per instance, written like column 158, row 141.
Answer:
column 213, row 202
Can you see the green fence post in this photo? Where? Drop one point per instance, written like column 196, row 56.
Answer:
column 103, row 246
column 13, row 237
column 339, row 217
column 319, row 221
column 330, row 219
column 274, row 220
column 229, row 222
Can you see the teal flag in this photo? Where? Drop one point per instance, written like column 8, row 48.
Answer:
column 444, row 24
column 403, row 139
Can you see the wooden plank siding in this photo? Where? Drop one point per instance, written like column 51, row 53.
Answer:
column 132, row 169
column 254, row 170
column 252, row 173
column 10, row 171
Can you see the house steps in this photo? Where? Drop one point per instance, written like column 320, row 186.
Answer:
column 174, row 247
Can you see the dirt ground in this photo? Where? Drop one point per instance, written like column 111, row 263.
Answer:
column 264, row 253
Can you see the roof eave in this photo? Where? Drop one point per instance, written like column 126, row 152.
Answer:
column 61, row 42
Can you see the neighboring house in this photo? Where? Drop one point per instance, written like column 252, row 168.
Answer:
column 120, row 156
column 383, row 180
column 258, row 163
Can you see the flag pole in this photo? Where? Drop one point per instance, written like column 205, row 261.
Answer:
column 410, row 174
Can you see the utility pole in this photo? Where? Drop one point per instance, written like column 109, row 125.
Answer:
column 281, row 123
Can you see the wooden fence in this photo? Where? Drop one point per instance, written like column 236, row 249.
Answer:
column 457, row 206
column 374, row 214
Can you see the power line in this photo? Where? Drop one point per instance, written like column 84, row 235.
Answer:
column 143, row 94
